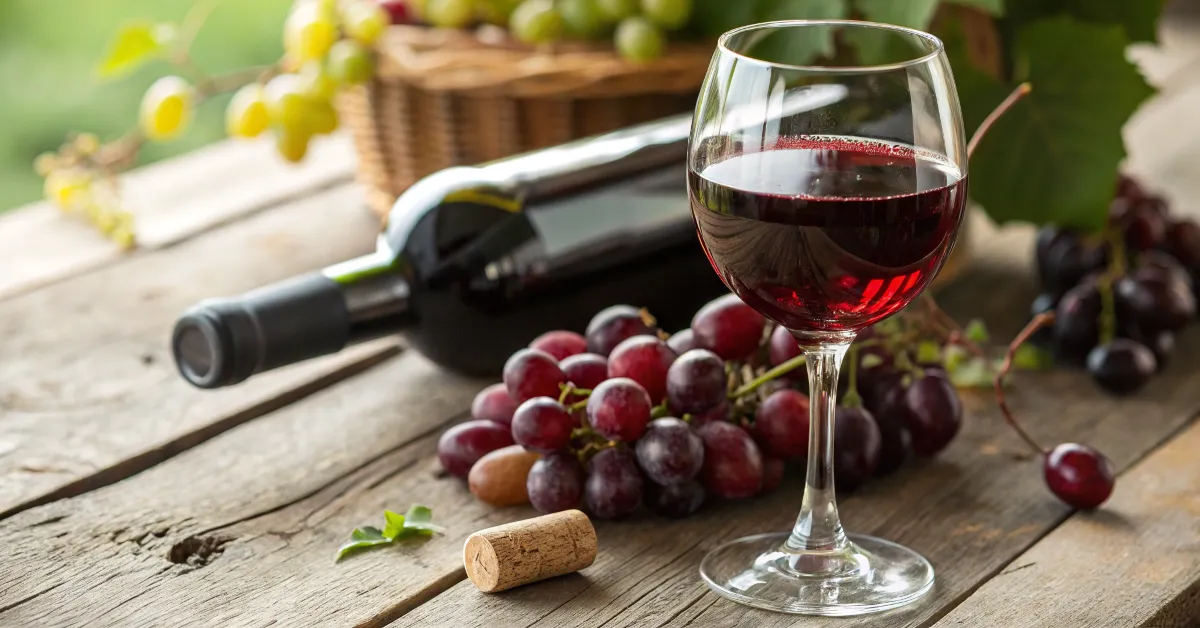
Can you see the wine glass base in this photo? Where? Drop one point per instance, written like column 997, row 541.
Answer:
column 867, row 576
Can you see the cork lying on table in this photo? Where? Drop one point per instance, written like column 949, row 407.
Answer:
column 526, row 551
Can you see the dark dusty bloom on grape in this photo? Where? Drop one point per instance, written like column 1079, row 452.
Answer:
column 531, row 373
column 461, row 446
column 614, row 484
column 619, row 409
column 494, row 404
column 733, row 466
column 612, row 325
column 555, row 483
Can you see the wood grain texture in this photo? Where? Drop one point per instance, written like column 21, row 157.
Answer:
column 971, row 511
column 88, row 390
column 242, row 530
column 172, row 200
column 1134, row 564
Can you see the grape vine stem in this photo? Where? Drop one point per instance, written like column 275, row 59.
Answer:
column 779, row 371
column 1038, row 322
column 1013, row 98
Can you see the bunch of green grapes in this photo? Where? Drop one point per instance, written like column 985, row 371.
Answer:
column 327, row 47
column 638, row 28
column 79, row 181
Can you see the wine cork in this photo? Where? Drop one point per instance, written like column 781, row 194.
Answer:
column 526, row 551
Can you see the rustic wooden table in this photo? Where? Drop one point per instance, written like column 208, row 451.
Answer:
column 128, row 498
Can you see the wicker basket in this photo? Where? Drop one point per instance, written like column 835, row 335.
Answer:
column 443, row 98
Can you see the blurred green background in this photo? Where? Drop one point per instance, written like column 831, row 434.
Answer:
column 48, row 55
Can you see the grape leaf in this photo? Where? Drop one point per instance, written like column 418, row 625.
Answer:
column 995, row 7
column 394, row 525
column 420, row 518
column 362, row 538
column 802, row 10
column 787, row 48
column 1032, row 358
column 1053, row 157
column 1139, row 18
column 135, row 44
column 713, row 18
column 367, row 533
column 976, row 331
column 911, row 13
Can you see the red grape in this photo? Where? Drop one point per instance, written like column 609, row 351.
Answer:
column 1159, row 265
column 895, row 441
column 1183, row 242
column 462, row 445
column 494, row 404
column 1079, row 475
column 773, row 469
column 1122, row 366
column 555, row 483
column 782, row 347
column 585, row 370
column 675, row 500
column 670, row 452
column 728, row 327
column 733, row 466
column 1128, row 188
column 531, row 373
column 856, row 447
column 612, row 325
column 1064, row 258
column 398, row 10
column 1144, row 227
column 614, row 485
column 719, row 413
column 543, row 425
column 619, row 409
column 645, row 360
column 560, row 344
column 682, row 341
column 1155, row 304
column 696, row 382
column 1076, row 323
column 934, row 414
column 781, row 424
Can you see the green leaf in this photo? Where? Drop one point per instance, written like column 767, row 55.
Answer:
column 713, row 18
column 395, row 524
column 420, row 518
column 974, row 373
column 976, row 331
column 357, row 546
column 955, row 357
column 1052, row 158
column 995, row 7
column 135, row 44
column 910, row 13
column 1139, row 18
column 786, row 47
column 870, row 361
column 1032, row 358
column 928, row 352
column 367, row 533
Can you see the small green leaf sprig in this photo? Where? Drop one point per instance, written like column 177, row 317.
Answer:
column 415, row 524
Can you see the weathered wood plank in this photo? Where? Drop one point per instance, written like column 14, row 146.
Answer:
column 1134, row 564
column 172, row 200
column 88, row 391
column 278, row 495
column 970, row 511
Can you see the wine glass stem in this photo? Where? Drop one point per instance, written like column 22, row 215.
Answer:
column 818, row 528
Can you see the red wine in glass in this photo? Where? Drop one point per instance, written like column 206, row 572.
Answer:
column 828, row 233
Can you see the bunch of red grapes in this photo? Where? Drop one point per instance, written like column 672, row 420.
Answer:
column 626, row 415
column 1119, row 300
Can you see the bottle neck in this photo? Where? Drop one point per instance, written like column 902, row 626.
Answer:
column 377, row 296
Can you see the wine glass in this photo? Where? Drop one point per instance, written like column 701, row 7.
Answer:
column 827, row 173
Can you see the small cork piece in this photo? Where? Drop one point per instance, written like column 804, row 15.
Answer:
column 526, row 551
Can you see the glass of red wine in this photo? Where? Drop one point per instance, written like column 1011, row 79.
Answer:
column 827, row 173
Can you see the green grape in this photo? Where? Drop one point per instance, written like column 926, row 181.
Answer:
column 316, row 80
column 322, row 118
column 536, row 22
column 616, row 10
column 669, row 14
column 286, row 100
column 166, row 108
column 45, row 163
column 581, row 17
column 247, row 114
column 495, row 11
column 66, row 188
column 308, row 32
column 292, row 143
column 365, row 22
column 349, row 63
column 449, row 13
column 86, row 143
column 639, row 40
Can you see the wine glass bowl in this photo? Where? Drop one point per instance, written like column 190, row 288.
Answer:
column 827, row 176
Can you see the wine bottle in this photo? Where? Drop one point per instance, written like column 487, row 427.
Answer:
column 477, row 261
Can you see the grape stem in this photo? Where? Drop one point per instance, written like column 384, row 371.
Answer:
column 852, row 399
column 778, row 371
column 1038, row 322
column 1013, row 98
column 949, row 328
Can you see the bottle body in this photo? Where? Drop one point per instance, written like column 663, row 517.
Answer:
column 477, row 261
